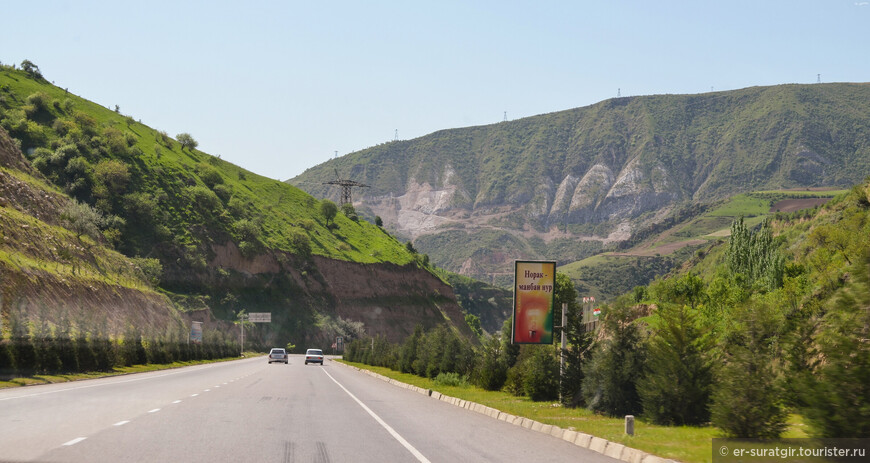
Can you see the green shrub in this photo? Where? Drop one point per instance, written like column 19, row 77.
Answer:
column 151, row 269
column 85, row 358
column 491, row 370
column 247, row 230
column 104, row 351
column 748, row 401
column 224, row 192
column 66, row 349
column 676, row 388
column 47, row 358
column 204, row 200
column 249, row 249
column 142, row 209
column 408, row 353
column 837, row 393
column 114, row 175
column 132, row 350
column 610, row 377
column 514, row 380
column 39, row 100
column 541, row 374
column 7, row 362
column 302, row 244
column 164, row 139
column 308, row 224
column 209, row 175
column 451, row 379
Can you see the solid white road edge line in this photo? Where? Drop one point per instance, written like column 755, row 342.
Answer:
column 75, row 441
column 377, row 418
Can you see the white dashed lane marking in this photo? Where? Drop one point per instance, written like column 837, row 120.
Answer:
column 122, row 423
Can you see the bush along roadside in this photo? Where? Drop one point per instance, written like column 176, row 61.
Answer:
column 30, row 350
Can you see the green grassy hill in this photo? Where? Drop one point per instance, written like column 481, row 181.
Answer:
column 169, row 196
column 225, row 239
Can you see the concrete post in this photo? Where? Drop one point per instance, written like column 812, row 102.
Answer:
column 629, row 425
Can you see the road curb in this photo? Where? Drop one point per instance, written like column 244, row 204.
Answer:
column 596, row 444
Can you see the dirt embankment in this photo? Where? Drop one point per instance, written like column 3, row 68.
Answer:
column 389, row 299
column 93, row 306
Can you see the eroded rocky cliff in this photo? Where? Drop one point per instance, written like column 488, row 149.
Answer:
column 604, row 171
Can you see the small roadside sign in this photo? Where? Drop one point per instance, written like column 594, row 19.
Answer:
column 260, row 317
column 196, row 332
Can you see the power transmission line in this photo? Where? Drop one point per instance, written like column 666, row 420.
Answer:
column 346, row 186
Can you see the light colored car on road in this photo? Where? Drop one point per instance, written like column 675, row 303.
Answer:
column 278, row 354
column 314, row 356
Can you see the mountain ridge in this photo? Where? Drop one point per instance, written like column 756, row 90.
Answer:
column 603, row 171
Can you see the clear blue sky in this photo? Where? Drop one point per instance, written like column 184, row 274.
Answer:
column 278, row 87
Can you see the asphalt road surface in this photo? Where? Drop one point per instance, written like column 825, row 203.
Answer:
column 250, row 411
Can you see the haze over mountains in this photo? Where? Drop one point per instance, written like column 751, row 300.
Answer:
column 564, row 185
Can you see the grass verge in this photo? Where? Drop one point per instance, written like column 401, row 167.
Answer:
column 117, row 371
column 688, row 444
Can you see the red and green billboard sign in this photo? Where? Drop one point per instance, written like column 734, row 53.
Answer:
column 534, row 300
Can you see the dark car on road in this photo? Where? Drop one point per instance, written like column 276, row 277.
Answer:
column 278, row 355
column 314, row 356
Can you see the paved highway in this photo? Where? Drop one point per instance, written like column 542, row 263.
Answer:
column 248, row 410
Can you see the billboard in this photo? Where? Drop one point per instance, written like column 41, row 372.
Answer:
column 534, row 301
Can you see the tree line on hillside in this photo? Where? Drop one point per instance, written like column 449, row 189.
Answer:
column 773, row 330
column 38, row 348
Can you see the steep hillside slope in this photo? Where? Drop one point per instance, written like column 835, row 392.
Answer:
column 49, row 274
column 565, row 184
column 222, row 238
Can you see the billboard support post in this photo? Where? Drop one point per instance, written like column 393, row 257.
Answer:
column 564, row 346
